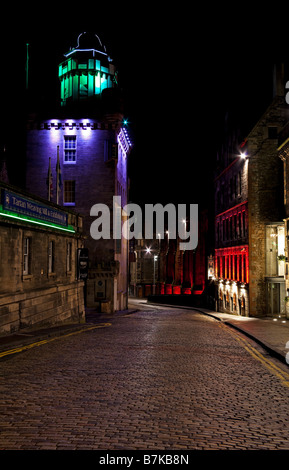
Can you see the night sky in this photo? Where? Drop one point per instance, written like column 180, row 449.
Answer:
column 181, row 73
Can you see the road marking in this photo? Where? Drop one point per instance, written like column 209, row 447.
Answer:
column 281, row 374
column 45, row 341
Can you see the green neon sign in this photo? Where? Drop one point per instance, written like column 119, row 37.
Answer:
column 31, row 220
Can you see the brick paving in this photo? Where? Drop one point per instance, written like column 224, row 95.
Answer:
column 160, row 378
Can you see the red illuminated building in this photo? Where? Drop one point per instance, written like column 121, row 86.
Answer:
column 178, row 273
column 184, row 272
column 231, row 254
column 231, row 231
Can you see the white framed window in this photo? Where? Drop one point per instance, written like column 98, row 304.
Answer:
column 69, row 193
column 68, row 257
column 275, row 250
column 51, row 257
column 69, row 155
column 26, row 255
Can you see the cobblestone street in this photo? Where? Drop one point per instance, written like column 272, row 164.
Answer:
column 159, row 378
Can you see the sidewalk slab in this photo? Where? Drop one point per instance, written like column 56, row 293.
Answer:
column 28, row 336
column 271, row 333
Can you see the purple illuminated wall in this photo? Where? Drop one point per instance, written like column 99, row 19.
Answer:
column 99, row 170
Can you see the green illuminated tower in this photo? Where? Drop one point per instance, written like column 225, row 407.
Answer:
column 87, row 70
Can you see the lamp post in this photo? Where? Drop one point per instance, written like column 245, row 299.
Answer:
column 155, row 257
column 159, row 237
column 154, row 284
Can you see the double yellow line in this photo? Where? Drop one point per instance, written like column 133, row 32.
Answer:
column 281, row 374
column 45, row 341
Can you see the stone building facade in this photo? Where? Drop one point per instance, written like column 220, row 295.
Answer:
column 266, row 212
column 39, row 243
column 249, row 229
column 283, row 152
column 86, row 137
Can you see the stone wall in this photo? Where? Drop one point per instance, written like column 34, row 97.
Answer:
column 94, row 178
column 34, row 291
column 99, row 174
column 42, row 307
column 265, row 197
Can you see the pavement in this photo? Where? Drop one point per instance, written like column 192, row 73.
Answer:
column 20, row 340
column 271, row 333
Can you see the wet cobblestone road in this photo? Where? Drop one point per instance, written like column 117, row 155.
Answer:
column 156, row 379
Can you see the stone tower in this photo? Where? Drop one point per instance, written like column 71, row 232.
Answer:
column 88, row 144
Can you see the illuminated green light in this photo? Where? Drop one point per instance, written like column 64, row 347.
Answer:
column 4, row 213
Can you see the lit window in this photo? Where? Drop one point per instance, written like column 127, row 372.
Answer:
column 69, row 193
column 275, row 250
column 69, row 148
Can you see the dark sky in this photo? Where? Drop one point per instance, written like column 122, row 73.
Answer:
column 181, row 72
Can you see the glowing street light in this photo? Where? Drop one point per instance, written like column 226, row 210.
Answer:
column 243, row 155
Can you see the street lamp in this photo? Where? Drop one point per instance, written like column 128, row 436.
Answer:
column 244, row 155
column 185, row 229
column 149, row 252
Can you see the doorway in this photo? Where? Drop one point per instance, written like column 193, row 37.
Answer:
column 275, row 297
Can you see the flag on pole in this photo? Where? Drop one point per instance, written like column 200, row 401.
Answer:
column 58, row 177
column 49, row 181
column 4, row 172
column 27, row 65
